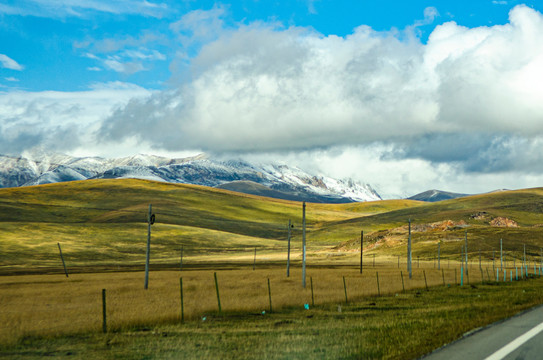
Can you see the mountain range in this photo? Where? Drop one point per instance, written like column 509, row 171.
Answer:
column 271, row 180
column 436, row 195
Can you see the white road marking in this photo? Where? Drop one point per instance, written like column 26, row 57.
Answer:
column 513, row 345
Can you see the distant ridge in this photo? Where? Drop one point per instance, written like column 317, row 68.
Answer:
column 436, row 195
column 269, row 179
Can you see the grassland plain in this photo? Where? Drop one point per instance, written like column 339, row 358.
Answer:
column 400, row 325
column 102, row 226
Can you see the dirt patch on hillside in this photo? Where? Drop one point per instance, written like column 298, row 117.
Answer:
column 503, row 222
column 394, row 237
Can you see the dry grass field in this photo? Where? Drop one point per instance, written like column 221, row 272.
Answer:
column 102, row 228
column 46, row 305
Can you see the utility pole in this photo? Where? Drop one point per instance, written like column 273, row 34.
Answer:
column 303, row 246
column 501, row 253
column 150, row 221
column 409, row 267
column 288, row 248
column 466, row 251
column 361, row 248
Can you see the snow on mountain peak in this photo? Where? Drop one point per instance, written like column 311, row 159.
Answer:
column 41, row 168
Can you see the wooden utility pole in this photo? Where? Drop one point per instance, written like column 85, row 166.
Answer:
column 501, row 253
column 150, row 221
column 288, row 248
column 361, row 249
column 303, row 246
column 466, row 252
column 409, row 267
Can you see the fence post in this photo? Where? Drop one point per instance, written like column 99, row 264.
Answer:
column 104, row 313
column 403, row 285
column 217, row 289
column 62, row 258
column 182, row 303
column 439, row 255
column 425, row 282
column 443, row 276
column 312, row 297
column 345, row 289
column 461, row 276
column 269, row 294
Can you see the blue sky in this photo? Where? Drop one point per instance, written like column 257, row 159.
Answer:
column 64, row 45
column 404, row 95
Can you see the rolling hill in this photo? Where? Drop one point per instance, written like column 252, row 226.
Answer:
column 102, row 224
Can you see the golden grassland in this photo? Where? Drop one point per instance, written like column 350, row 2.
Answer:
column 48, row 305
column 50, row 315
column 102, row 227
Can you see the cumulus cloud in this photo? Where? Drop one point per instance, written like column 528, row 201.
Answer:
column 260, row 88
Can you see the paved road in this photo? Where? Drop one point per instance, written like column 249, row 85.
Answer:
column 520, row 337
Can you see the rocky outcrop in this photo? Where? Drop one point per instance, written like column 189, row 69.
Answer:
column 503, row 222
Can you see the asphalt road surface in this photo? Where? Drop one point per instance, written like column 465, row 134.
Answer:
column 520, row 337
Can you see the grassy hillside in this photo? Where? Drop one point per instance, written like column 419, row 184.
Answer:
column 473, row 215
column 104, row 223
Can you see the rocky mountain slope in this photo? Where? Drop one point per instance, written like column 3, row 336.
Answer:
column 273, row 180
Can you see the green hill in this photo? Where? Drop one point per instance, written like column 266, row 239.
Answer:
column 103, row 224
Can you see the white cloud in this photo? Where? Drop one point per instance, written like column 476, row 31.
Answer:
column 9, row 63
column 59, row 120
column 262, row 89
column 83, row 8
column 123, row 67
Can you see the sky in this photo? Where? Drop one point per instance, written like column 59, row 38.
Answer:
column 406, row 96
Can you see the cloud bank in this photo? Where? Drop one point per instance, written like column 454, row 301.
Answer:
column 259, row 88
column 467, row 104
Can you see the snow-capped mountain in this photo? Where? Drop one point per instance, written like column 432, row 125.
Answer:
column 275, row 180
